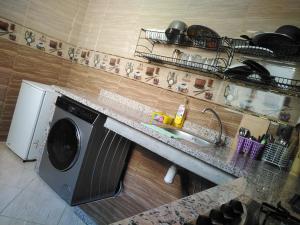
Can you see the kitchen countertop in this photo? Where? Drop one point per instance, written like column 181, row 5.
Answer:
column 255, row 179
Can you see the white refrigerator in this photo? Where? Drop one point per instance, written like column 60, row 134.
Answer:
column 31, row 118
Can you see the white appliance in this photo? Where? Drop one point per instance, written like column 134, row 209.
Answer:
column 31, row 119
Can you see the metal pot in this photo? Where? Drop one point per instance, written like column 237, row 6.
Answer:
column 176, row 31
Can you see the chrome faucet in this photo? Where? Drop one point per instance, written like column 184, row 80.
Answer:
column 219, row 141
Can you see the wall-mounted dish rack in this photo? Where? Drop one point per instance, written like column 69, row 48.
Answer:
column 275, row 83
column 282, row 52
column 221, row 47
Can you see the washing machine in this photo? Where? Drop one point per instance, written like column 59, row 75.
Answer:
column 82, row 161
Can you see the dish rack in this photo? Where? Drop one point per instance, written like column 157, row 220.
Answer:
column 281, row 84
column 278, row 155
column 220, row 49
column 285, row 52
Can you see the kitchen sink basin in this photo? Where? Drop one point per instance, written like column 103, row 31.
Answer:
column 187, row 136
column 178, row 134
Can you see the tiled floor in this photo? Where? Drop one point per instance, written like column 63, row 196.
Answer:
column 25, row 199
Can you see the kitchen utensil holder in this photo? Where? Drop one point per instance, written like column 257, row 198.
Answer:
column 278, row 155
column 248, row 146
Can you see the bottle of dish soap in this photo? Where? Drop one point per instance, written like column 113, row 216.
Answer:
column 181, row 114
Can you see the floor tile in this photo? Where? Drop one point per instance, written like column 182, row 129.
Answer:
column 13, row 172
column 40, row 207
column 7, row 194
column 69, row 217
column 11, row 221
column 26, row 199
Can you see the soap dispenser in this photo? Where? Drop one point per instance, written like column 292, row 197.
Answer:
column 181, row 114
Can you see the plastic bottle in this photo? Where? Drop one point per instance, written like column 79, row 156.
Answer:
column 181, row 114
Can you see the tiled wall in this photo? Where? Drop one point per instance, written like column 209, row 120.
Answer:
column 20, row 62
column 92, row 80
column 199, row 86
column 112, row 26
column 59, row 19
column 81, row 31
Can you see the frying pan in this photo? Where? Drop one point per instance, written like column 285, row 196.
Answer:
column 290, row 30
column 248, row 68
column 259, row 69
column 195, row 31
column 199, row 32
column 280, row 44
column 238, row 71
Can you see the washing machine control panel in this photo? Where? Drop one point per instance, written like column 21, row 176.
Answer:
column 83, row 112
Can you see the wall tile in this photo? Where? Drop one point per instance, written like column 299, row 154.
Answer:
column 54, row 18
column 14, row 10
column 143, row 93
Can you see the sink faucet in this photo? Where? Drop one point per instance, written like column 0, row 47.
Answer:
column 219, row 141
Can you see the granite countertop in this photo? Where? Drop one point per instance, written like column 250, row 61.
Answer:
column 134, row 114
column 255, row 179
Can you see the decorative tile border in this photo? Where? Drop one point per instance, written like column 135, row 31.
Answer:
column 194, row 85
column 186, row 83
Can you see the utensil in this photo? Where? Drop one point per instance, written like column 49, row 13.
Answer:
column 244, row 132
column 195, row 31
column 177, row 54
column 277, row 42
column 259, row 69
column 290, row 30
column 176, row 31
column 203, row 35
column 238, row 71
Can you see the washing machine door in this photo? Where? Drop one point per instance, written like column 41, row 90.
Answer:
column 63, row 144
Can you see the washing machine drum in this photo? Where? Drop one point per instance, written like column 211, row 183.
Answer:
column 63, row 144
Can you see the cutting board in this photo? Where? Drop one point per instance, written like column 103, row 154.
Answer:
column 257, row 126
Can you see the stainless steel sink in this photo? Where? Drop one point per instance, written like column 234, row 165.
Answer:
column 188, row 137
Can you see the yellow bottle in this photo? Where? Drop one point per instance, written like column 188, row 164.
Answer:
column 181, row 114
